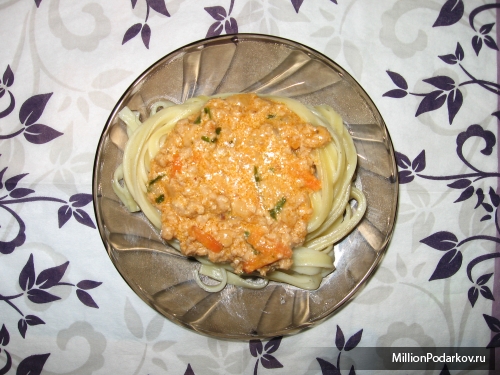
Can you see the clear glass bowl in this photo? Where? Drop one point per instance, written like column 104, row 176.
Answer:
column 160, row 275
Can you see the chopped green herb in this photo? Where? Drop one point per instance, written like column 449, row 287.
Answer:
column 279, row 206
column 207, row 111
column 156, row 179
column 160, row 198
column 269, row 116
column 217, row 130
column 208, row 139
column 271, row 169
column 198, row 120
column 246, row 234
column 256, row 174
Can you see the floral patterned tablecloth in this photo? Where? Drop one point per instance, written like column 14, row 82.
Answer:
column 430, row 66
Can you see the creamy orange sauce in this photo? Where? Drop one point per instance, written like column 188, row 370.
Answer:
column 233, row 182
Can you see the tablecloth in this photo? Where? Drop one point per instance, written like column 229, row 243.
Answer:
column 431, row 68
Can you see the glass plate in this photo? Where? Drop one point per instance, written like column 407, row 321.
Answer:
column 162, row 277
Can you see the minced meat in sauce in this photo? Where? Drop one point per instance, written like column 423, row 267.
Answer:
column 233, row 182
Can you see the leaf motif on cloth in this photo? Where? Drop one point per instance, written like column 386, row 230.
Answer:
column 158, row 6
column 339, row 339
column 189, row 370
column 451, row 12
column 51, row 276
column 442, row 241
column 40, row 134
column 8, row 77
column 353, row 341
column 441, row 82
column 218, row 13
column 86, row 298
column 494, row 325
column 39, row 296
column 431, row 101
column 477, row 44
column 131, row 32
column 223, row 21
column 4, row 336
column 473, row 295
column 448, row 265
column 146, row 35
column 27, row 275
column 32, row 365
column 328, row 368
column 83, row 218
column 32, row 109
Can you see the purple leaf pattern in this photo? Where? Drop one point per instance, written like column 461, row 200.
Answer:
column 88, row 284
column 8, row 77
column 12, row 182
column 32, row 365
column 408, row 169
column 64, row 214
column 76, row 201
column 432, row 101
column 490, row 42
column 473, row 295
column 442, row 241
column 353, row 341
column 144, row 29
column 448, row 265
column 223, row 21
column 329, row 368
column 41, row 296
column 80, row 200
column 4, row 336
column 494, row 325
column 418, row 165
column 39, row 134
column 396, row 93
column 51, row 276
column 298, row 3
column 339, row 339
column 131, row 32
column 33, row 320
column 22, row 326
column 39, row 290
column 477, row 44
column 83, row 218
column 32, row 109
column 158, row 6
column 460, row 184
column 146, row 35
column 451, row 12
column 189, row 370
column 263, row 353
column 27, row 275
column 441, row 82
column 86, row 298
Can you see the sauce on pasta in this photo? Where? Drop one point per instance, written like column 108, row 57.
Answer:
column 233, row 182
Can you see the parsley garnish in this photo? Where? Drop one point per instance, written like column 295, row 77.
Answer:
column 276, row 210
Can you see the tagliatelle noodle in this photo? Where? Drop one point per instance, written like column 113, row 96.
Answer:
column 333, row 216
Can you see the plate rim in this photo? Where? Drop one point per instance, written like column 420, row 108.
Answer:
column 235, row 38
